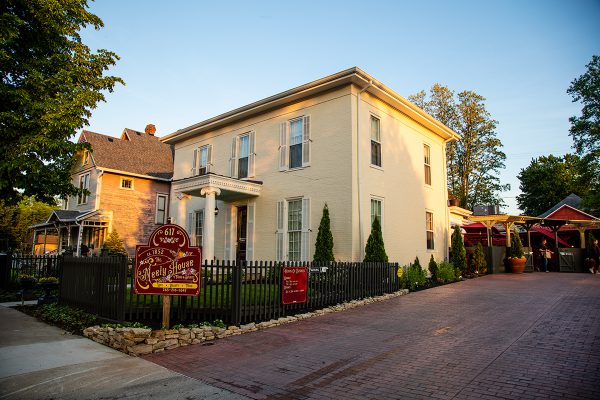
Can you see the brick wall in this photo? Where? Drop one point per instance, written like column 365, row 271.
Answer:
column 134, row 210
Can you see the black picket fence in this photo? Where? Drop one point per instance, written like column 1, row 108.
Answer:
column 12, row 266
column 235, row 294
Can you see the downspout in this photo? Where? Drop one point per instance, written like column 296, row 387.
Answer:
column 448, row 225
column 358, row 169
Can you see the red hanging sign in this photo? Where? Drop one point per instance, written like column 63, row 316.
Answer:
column 294, row 284
column 168, row 265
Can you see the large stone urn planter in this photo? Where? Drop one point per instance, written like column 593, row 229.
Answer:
column 517, row 265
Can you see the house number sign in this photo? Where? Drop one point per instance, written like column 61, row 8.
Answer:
column 168, row 265
column 294, row 284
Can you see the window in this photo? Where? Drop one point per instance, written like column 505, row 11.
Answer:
column 199, row 227
column 86, row 157
column 127, row 183
column 161, row 208
column 429, row 229
column 294, row 229
column 202, row 160
column 427, row 155
column 375, row 141
column 244, row 156
column 377, row 211
column 294, row 143
column 84, row 185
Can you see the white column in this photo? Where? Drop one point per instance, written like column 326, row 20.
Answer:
column 208, row 249
column 180, row 218
column 33, row 244
column 79, row 237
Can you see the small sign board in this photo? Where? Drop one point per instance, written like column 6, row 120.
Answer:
column 168, row 265
column 294, row 282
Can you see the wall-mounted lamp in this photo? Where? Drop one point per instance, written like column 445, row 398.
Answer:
column 216, row 210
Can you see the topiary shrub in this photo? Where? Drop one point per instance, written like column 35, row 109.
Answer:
column 375, row 249
column 479, row 261
column 115, row 245
column 433, row 269
column 324, row 243
column 415, row 277
column 516, row 247
column 459, row 253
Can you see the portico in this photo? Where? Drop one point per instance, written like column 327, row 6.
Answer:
column 212, row 188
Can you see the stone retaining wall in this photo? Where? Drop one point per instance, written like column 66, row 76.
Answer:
column 140, row 341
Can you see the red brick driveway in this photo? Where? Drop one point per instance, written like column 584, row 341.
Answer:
column 530, row 336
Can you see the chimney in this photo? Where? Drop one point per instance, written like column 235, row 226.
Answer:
column 150, row 129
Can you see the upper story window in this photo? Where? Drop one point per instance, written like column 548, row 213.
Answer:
column 429, row 229
column 84, row 185
column 294, row 143
column 127, row 183
column 161, row 208
column 86, row 157
column 427, row 163
column 202, row 160
column 241, row 163
column 375, row 141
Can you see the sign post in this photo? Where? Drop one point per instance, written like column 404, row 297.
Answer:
column 168, row 266
column 294, row 284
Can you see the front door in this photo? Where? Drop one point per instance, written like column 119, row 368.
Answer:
column 242, row 219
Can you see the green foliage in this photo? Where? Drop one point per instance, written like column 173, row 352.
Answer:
column 114, row 244
column 49, row 279
column 15, row 221
column 126, row 324
column 474, row 162
column 433, row 268
column 585, row 129
column 516, row 247
column 375, row 249
column 324, row 243
column 459, row 253
column 51, row 82
column 68, row 318
column 479, row 261
column 414, row 277
column 590, row 245
column 549, row 179
column 446, row 272
column 218, row 323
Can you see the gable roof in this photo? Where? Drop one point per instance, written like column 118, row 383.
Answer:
column 353, row 75
column 567, row 209
column 135, row 152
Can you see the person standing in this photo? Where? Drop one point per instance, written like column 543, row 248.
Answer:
column 596, row 256
column 546, row 255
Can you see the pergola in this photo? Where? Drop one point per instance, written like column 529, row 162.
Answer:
column 508, row 221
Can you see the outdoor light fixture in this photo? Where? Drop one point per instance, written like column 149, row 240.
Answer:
column 216, row 210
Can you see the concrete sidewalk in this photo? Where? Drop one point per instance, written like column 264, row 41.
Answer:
column 38, row 361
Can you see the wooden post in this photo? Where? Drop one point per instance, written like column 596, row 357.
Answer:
column 166, row 312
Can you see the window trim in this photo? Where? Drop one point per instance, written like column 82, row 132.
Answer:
column 197, row 220
column 123, row 179
column 239, row 154
column 382, row 219
column 427, row 164
column 287, row 227
column 207, row 166
column 430, row 212
column 166, row 196
column 371, row 140
column 285, row 138
column 86, row 157
column 83, row 198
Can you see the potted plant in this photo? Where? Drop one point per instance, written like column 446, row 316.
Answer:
column 27, row 283
column 48, row 284
column 516, row 258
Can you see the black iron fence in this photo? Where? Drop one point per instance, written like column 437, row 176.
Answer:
column 12, row 266
column 237, row 294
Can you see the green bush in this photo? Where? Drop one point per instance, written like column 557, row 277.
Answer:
column 68, row 318
column 126, row 324
column 479, row 262
column 414, row 277
column 375, row 249
column 433, row 269
column 459, row 253
column 516, row 247
column 446, row 272
column 324, row 242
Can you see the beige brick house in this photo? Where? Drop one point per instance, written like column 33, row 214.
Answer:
column 251, row 184
column 128, row 180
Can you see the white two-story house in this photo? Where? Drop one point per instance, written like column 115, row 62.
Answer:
column 251, row 184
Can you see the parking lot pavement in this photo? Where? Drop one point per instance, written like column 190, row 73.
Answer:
column 38, row 361
column 528, row 336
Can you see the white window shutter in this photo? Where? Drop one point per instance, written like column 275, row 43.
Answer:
column 233, row 159
column 251, row 155
column 189, row 223
column 305, row 249
column 227, row 255
column 283, row 146
column 195, row 162
column 306, row 142
column 250, row 233
column 280, row 233
column 208, row 158
column 201, row 214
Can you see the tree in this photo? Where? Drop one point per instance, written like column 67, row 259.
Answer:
column 585, row 129
column 479, row 261
column 458, row 258
column 324, row 243
column 15, row 221
column 50, row 83
column 375, row 249
column 474, row 162
column 114, row 244
column 433, row 269
column 516, row 247
column 549, row 179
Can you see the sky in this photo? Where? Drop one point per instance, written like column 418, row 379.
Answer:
column 187, row 61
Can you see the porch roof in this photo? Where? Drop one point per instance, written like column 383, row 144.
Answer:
column 230, row 188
